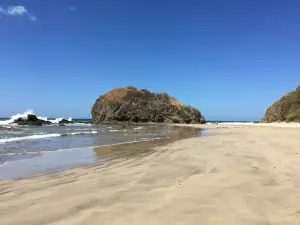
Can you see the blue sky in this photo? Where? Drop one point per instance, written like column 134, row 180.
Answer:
column 230, row 59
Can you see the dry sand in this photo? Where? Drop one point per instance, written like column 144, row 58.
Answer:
column 242, row 175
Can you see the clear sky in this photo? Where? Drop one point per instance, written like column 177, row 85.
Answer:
column 229, row 58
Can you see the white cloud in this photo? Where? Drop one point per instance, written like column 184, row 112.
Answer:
column 16, row 10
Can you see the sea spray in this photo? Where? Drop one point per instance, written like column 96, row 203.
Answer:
column 30, row 112
column 17, row 116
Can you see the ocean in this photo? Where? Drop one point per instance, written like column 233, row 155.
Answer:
column 31, row 150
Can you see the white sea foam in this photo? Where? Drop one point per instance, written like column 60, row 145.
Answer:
column 235, row 123
column 30, row 112
column 28, row 138
column 43, row 136
column 15, row 117
column 5, row 163
column 57, row 120
column 20, row 153
column 82, row 124
column 42, row 118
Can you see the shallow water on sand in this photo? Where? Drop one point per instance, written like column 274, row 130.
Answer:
column 29, row 142
column 37, row 150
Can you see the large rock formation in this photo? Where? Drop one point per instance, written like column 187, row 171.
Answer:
column 133, row 105
column 286, row 109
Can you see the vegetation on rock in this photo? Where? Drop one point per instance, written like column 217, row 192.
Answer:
column 286, row 109
column 133, row 105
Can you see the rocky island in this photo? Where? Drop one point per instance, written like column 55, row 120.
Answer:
column 142, row 106
column 286, row 109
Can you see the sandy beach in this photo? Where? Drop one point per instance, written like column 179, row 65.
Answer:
column 243, row 174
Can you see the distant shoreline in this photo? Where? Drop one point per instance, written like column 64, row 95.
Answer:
column 240, row 124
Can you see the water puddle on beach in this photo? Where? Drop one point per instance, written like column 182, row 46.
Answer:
column 139, row 143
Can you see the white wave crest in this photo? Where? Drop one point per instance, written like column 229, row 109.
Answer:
column 28, row 138
column 4, row 164
column 30, row 112
column 17, row 116
column 42, row 118
column 82, row 124
column 44, row 136
column 57, row 120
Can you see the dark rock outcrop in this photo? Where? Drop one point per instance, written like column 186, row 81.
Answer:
column 141, row 106
column 286, row 109
column 64, row 121
column 31, row 120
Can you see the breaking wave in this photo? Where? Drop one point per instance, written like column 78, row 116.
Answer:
column 57, row 120
column 30, row 112
column 15, row 117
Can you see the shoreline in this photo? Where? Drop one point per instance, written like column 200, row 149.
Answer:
column 103, row 153
column 242, row 175
column 204, row 127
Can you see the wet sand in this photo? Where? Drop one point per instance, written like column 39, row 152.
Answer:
column 241, row 175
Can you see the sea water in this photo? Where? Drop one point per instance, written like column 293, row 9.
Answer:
column 29, row 150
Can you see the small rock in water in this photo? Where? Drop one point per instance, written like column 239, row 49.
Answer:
column 64, row 121
column 31, row 120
